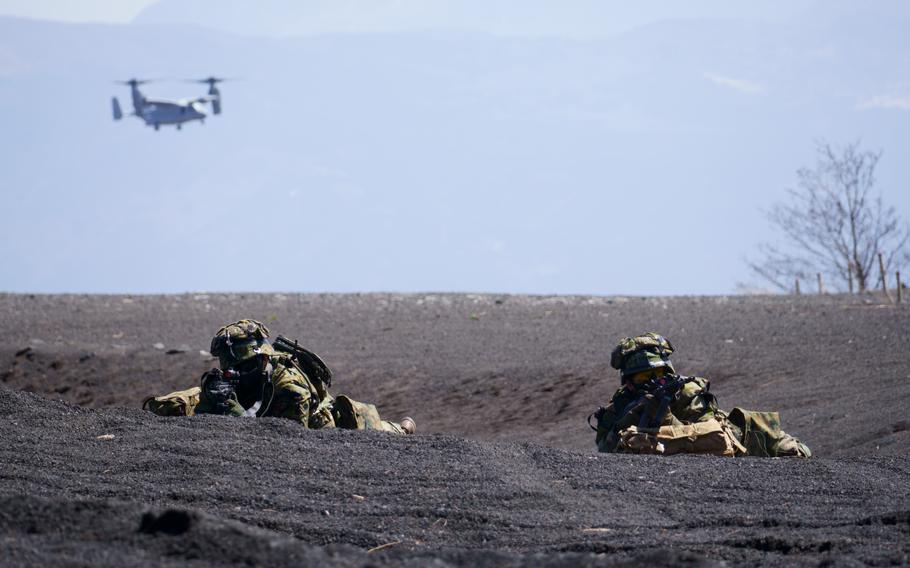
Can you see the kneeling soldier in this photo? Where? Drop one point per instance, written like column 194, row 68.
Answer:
column 258, row 378
column 659, row 412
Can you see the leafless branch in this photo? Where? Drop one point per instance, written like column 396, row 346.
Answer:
column 833, row 224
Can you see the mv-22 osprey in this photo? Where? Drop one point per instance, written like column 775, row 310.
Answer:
column 157, row 113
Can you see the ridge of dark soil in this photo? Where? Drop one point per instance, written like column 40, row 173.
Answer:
column 503, row 471
column 118, row 486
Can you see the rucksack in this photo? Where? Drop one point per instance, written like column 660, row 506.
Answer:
column 310, row 363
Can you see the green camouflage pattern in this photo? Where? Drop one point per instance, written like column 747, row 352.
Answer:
column 290, row 394
column 297, row 398
column 761, row 434
column 355, row 415
column 694, row 404
column 641, row 353
column 753, row 433
column 240, row 341
column 178, row 403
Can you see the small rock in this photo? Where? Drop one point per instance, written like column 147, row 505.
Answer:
column 172, row 521
column 105, row 437
column 158, row 346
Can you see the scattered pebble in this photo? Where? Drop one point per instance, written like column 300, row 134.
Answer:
column 158, row 346
column 105, row 437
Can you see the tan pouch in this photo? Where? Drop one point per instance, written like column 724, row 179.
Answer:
column 354, row 415
column 178, row 403
column 708, row 437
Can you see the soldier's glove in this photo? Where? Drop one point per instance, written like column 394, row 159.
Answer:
column 219, row 389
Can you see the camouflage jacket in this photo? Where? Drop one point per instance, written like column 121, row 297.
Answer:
column 693, row 404
column 289, row 394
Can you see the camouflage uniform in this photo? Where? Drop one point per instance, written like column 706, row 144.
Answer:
column 642, row 418
column 279, row 388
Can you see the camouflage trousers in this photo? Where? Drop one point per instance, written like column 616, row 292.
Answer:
column 354, row 415
column 739, row 433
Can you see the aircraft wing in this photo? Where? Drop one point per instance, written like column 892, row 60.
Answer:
column 164, row 104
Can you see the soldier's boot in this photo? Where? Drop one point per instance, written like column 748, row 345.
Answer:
column 790, row 447
column 408, row 425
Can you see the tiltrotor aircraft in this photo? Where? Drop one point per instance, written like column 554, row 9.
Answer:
column 158, row 113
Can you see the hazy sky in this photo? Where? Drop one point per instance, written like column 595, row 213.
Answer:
column 427, row 159
column 112, row 11
column 558, row 18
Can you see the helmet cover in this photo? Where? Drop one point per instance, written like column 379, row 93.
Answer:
column 240, row 341
column 642, row 353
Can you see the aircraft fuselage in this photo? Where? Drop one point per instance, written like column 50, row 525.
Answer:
column 156, row 113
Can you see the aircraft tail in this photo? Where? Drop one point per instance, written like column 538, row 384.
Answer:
column 215, row 97
column 115, row 107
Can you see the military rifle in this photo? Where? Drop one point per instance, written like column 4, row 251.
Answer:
column 310, row 363
column 665, row 388
column 219, row 386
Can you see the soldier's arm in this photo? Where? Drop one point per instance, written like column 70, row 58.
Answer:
column 291, row 401
column 606, row 418
column 609, row 422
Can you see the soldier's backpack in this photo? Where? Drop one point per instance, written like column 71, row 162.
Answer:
column 708, row 437
column 310, row 363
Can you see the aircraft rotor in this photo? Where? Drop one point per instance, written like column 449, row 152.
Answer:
column 135, row 82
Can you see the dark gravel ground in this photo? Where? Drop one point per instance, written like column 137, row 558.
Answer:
column 503, row 472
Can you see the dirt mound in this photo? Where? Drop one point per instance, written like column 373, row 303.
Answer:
column 123, row 487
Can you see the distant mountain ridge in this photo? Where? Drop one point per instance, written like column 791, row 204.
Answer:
column 572, row 19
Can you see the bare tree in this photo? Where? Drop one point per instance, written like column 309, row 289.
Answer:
column 834, row 225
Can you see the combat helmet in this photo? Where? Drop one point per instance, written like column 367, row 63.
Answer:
column 240, row 341
column 641, row 353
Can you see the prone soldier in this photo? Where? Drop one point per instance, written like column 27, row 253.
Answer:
column 281, row 379
column 657, row 411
